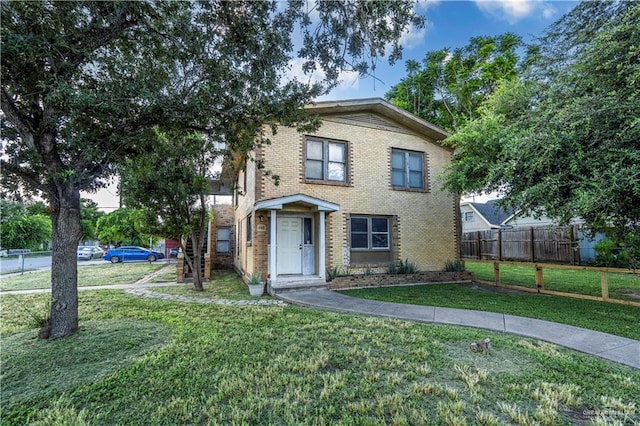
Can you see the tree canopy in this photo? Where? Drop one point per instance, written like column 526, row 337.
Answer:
column 170, row 186
column 564, row 140
column 85, row 83
column 450, row 85
column 123, row 226
column 23, row 226
column 89, row 215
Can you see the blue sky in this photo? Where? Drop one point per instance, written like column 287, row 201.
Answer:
column 452, row 24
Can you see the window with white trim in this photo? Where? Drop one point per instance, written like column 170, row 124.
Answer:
column 407, row 169
column 325, row 160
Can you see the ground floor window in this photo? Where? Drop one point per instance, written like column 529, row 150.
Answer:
column 370, row 239
column 223, row 240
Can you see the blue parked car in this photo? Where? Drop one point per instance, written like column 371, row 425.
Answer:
column 131, row 253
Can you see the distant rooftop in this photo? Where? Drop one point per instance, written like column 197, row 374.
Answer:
column 493, row 213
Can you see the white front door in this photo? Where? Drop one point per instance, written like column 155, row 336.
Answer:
column 289, row 245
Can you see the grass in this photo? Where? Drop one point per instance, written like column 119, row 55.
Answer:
column 209, row 364
column 223, row 285
column 96, row 351
column 621, row 286
column 90, row 275
column 169, row 276
column 611, row 318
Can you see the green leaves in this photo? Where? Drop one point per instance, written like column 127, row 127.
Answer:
column 22, row 227
column 171, row 183
column 452, row 84
column 565, row 139
column 124, row 226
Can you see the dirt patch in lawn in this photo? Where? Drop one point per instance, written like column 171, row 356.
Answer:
column 499, row 360
column 629, row 293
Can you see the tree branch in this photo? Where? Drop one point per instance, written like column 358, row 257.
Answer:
column 31, row 179
column 17, row 118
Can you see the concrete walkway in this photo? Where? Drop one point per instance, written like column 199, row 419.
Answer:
column 614, row 348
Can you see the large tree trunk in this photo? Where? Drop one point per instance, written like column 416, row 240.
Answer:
column 65, row 219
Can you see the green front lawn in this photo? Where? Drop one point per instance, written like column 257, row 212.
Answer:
column 145, row 361
column 601, row 316
column 621, row 286
column 89, row 275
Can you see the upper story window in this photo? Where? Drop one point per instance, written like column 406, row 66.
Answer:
column 407, row 169
column 468, row 217
column 325, row 160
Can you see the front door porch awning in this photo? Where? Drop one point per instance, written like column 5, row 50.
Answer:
column 279, row 203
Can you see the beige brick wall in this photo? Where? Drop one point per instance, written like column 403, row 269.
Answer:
column 243, row 262
column 426, row 220
column 223, row 218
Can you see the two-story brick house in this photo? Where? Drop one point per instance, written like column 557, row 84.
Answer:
column 359, row 193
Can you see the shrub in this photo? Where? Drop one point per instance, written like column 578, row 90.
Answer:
column 335, row 272
column 619, row 254
column 407, row 267
column 454, row 266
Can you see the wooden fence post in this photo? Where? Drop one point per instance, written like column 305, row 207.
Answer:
column 496, row 273
column 531, row 245
column 539, row 278
column 572, row 241
column 604, row 281
column 479, row 245
column 499, row 244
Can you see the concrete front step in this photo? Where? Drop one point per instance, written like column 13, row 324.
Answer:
column 289, row 284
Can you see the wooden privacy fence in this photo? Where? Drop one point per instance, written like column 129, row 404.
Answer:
column 535, row 244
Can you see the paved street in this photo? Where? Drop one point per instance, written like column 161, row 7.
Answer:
column 13, row 264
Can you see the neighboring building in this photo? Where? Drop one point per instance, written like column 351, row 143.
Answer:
column 519, row 236
column 483, row 216
column 359, row 193
column 489, row 215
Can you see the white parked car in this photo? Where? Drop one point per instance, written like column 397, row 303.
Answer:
column 89, row 252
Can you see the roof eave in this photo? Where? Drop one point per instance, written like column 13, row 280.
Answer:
column 384, row 108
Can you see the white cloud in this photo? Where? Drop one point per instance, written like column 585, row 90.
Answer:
column 513, row 11
column 548, row 11
column 424, row 5
column 348, row 79
column 414, row 37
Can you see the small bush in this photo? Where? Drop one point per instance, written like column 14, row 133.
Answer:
column 610, row 254
column 335, row 272
column 620, row 253
column 407, row 267
column 404, row 267
column 454, row 266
